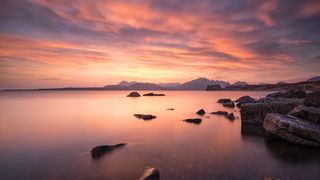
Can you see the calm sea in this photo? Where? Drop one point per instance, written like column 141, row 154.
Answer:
column 49, row 135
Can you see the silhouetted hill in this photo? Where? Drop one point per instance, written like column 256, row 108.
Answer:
column 314, row 79
column 201, row 84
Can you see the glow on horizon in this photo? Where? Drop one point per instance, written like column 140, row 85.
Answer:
column 45, row 43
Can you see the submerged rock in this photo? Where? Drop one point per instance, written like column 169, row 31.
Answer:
column 222, row 113
column 254, row 113
column 170, row 109
column 153, row 94
column 145, row 116
column 292, row 129
column 231, row 117
column 244, row 99
column 133, row 94
column 288, row 94
column 201, row 112
column 229, row 104
column 311, row 114
column 194, row 120
column 99, row 151
column 224, row 100
column 151, row 173
column 312, row 99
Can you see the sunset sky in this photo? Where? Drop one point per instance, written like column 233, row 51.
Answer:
column 55, row 43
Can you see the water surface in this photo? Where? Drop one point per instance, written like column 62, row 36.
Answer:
column 48, row 135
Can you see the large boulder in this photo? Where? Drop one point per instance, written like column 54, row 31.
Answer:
column 292, row 129
column 311, row 114
column 133, row 94
column 99, row 151
column 244, row 99
column 151, row 173
column 288, row 94
column 254, row 113
column 312, row 99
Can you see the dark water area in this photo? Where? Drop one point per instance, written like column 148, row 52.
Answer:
column 49, row 135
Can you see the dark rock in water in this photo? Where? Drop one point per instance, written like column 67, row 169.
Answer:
column 224, row 100
column 133, row 94
column 312, row 99
column 194, row 120
column 170, row 109
column 289, row 94
column 223, row 113
column 229, row 104
column 151, row 173
column 311, row 114
column 244, row 99
column 98, row 151
column 153, row 94
column 231, row 117
column 254, row 113
column 145, row 116
column 201, row 112
column 292, row 129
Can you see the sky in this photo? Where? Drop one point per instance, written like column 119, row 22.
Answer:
column 55, row 43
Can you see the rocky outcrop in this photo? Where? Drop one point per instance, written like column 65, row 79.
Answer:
column 133, row 94
column 229, row 104
column 288, row 94
column 224, row 100
column 145, row 116
column 99, row 151
column 244, row 99
column 193, row 120
column 201, row 112
column 151, row 173
column 254, row 113
column 153, row 94
column 311, row 114
column 312, row 99
column 292, row 129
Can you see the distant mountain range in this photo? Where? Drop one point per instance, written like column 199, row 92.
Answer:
column 196, row 84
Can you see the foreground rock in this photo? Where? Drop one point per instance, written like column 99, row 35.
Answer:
column 229, row 104
column 133, row 94
column 244, row 99
column 292, row 129
column 194, row 120
column 254, row 113
column 288, row 94
column 224, row 100
column 311, row 114
column 153, row 94
column 201, row 112
column 151, row 173
column 312, row 99
column 99, row 151
column 145, row 116
column 222, row 113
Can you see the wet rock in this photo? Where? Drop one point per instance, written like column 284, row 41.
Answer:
column 222, row 113
column 201, row 112
column 288, row 94
column 229, row 104
column 151, row 173
column 133, row 94
column 224, row 100
column 292, row 129
column 231, row 117
column 244, row 99
column 145, row 116
column 312, row 99
column 194, row 120
column 170, row 109
column 254, row 113
column 153, row 94
column 99, row 151
column 311, row 114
